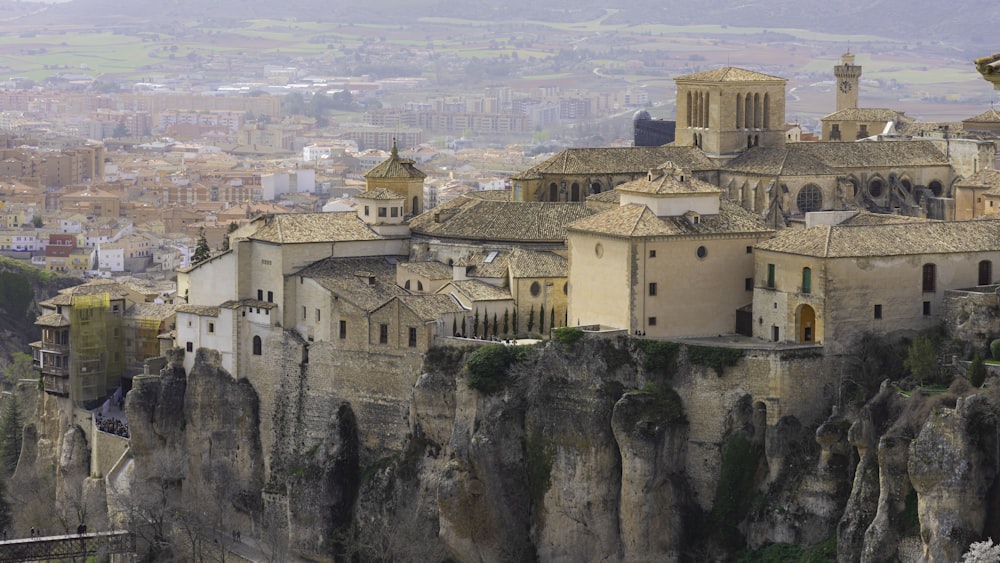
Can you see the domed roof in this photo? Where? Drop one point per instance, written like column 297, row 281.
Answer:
column 641, row 115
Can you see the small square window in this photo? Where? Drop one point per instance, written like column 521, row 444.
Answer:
column 366, row 211
column 211, row 328
column 381, row 212
column 652, row 254
column 395, row 212
column 927, row 307
column 652, row 288
column 651, row 321
column 749, row 250
column 317, row 315
column 878, row 311
column 189, row 347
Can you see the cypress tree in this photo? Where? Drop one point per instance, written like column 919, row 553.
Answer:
column 541, row 319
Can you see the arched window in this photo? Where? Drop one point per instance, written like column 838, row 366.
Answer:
column 420, row 285
column 256, row 346
column 930, row 278
column 553, row 192
column 985, row 272
column 406, row 285
column 810, row 199
column 575, row 192
column 935, row 188
column 806, row 280
column 595, row 188
column 875, row 187
column 415, row 208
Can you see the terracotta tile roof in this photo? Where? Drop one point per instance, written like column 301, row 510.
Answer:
column 312, row 227
column 159, row 311
column 618, row 160
column 381, row 194
column 987, row 178
column 430, row 270
column 432, row 307
column 784, row 161
column 537, row 264
column 928, row 128
column 881, row 154
column 728, row 74
column 477, row 290
column 607, row 196
column 52, row 319
column 365, row 282
column 900, row 239
column 865, row 114
column 989, row 116
column 668, row 182
column 238, row 303
column 473, row 218
column 395, row 167
column 868, row 218
column 486, row 264
column 200, row 310
column 94, row 287
column 639, row 221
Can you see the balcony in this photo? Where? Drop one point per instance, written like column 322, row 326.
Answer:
column 51, row 347
column 55, row 385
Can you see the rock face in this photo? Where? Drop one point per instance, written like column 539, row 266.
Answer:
column 952, row 465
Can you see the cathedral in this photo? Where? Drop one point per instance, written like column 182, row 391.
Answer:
column 730, row 132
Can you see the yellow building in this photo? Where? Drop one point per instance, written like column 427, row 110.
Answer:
column 832, row 284
column 401, row 176
column 978, row 196
column 674, row 259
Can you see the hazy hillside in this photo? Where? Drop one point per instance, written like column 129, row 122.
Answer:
column 974, row 27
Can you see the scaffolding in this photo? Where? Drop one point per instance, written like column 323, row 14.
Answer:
column 97, row 358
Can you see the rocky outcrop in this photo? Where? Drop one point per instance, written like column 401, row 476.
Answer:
column 952, row 465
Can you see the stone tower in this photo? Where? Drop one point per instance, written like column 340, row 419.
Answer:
column 847, row 75
column 728, row 110
column 401, row 176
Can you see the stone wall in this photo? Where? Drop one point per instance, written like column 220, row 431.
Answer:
column 972, row 316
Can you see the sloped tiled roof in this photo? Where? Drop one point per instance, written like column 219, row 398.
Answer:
column 312, row 227
column 473, row 218
column 619, row 160
column 900, row 239
column 665, row 183
column 874, row 154
column 989, row 178
column 150, row 311
column 783, row 161
column 486, row 264
column 395, row 167
column 477, row 290
column 728, row 74
column 639, row 221
column 200, row 310
column 868, row 218
column 989, row 116
column 865, row 114
column 431, row 307
column 537, row 264
column 348, row 278
column 52, row 319
column 381, row 194
column 431, row 270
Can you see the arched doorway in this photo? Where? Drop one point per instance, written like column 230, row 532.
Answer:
column 806, row 324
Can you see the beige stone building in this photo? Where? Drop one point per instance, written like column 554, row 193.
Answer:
column 832, row 284
column 978, row 196
column 674, row 259
column 401, row 176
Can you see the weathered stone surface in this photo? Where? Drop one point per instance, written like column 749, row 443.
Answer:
column 882, row 536
column 952, row 467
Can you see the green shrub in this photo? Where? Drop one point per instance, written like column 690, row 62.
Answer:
column 716, row 358
column 977, row 371
column 488, row 366
column 568, row 335
column 734, row 491
column 995, row 349
column 663, row 405
column 659, row 357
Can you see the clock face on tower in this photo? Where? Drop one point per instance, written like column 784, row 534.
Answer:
column 845, row 86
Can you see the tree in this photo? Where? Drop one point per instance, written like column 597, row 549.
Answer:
column 454, row 327
column 541, row 319
column 552, row 318
column 225, row 240
column 201, row 251
column 506, row 322
column 120, row 130
column 11, row 426
column 37, row 221
column 977, row 371
column 921, row 359
column 463, row 327
column 495, row 325
column 20, row 367
column 531, row 319
column 513, row 322
column 475, row 323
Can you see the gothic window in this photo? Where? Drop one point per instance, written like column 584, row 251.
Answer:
column 930, row 278
column 415, row 206
column 420, row 285
column 256, row 346
column 875, row 187
column 406, row 285
column 810, row 198
column 595, row 188
column 936, row 188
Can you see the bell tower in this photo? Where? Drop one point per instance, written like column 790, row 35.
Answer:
column 847, row 75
